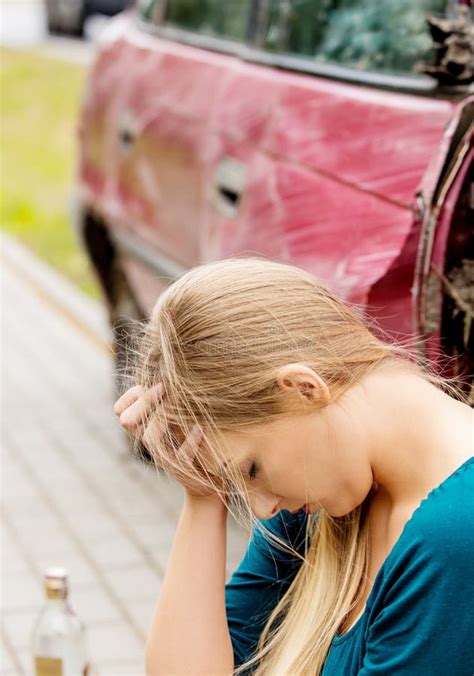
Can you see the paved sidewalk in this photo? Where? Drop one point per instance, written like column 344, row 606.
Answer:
column 72, row 495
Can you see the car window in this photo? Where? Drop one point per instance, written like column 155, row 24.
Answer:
column 373, row 35
column 227, row 19
column 147, row 8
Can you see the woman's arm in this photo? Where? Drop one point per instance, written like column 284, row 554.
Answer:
column 189, row 633
column 260, row 580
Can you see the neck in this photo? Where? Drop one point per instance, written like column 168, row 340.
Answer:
column 421, row 436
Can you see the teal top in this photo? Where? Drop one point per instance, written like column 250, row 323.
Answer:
column 419, row 616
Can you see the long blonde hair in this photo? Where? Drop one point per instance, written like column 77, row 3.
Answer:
column 216, row 339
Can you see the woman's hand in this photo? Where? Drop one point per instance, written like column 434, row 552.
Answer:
column 135, row 410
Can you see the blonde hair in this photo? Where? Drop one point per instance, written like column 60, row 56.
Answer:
column 216, row 339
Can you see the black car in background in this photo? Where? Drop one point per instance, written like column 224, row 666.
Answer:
column 68, row 16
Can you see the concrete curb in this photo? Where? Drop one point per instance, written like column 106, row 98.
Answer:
column 87, row 314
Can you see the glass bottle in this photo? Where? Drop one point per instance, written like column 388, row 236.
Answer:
column 58, row 638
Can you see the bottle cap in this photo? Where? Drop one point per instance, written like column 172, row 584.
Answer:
column 55, row 583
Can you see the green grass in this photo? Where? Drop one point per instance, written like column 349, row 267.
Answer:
column 40, row 99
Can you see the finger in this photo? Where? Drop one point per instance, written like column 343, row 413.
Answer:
column 154, row 395
column 179, row 454
column 192, row 441
column 187, row 467
column 127, row 399
column 135, row 415
column 152, row 434
column 139, row 412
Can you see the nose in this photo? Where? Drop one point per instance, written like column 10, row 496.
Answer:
column 264, row 507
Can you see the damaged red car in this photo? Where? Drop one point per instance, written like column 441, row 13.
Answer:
column 333, row 135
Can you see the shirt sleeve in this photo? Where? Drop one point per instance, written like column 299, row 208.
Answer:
column 424, row 624
column 263, row 576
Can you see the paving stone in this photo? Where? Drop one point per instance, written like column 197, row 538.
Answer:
column 12, row 560
column 92, row 459
column 114, row 642
column 26, row 661
column 142, row 613
column 76, row 499
column 158, row 539
column 91, row 527
column 93, row 604
column 24, row 520
column 55, row 473
column 139, row 583
column 15, row 486
column 123, row 668
column 72, row 492
column 117, row 553
column 92, row 313
column 20, row 592
column 45, row 540
column 7, row 665
column 30, row 510
column 19, row 624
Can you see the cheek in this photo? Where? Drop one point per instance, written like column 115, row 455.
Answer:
column 290, row 482
column 321, row 480
column 290, row 468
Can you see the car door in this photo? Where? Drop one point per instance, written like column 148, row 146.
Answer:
column 147, row 118
column 329, row 167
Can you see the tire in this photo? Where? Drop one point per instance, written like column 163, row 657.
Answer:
column 123, row 308
column 123, row 321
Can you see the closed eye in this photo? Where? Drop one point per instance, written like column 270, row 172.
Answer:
column 253, row 471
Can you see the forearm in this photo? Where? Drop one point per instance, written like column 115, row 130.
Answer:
column 189, row 633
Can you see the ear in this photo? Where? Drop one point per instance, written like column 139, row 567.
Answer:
column 301, row 380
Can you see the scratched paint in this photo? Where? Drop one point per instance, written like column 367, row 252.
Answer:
column 331, row 168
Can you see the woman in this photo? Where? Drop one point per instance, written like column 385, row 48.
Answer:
column 267, row 396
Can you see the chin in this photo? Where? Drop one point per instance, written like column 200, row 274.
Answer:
column 339, row 510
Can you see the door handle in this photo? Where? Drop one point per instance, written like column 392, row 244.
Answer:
column 229, row 195
column 127, row 138
column 229, row 184
column 127, row 132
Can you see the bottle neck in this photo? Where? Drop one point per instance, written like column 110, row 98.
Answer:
column 56, row 604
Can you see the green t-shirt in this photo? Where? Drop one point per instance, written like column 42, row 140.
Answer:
column 419, row 616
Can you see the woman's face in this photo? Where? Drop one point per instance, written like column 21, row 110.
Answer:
column 296, row 461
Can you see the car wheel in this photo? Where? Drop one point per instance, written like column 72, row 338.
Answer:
column 123, row 320
column 123, row 308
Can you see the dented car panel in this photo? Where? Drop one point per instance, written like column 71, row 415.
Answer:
column 441, row 195
column 201, row 155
